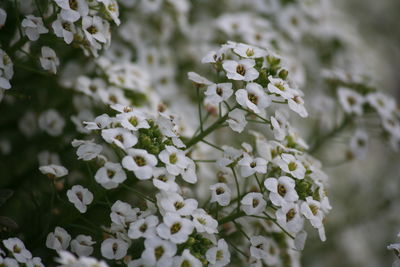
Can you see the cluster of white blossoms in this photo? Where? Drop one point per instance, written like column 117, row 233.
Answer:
column 211, row 170
column 258, row 201
column 359, row 100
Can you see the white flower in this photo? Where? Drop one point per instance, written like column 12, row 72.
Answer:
column 133, row 120
column 218, row 92
column 359, row 144
column 87, row 150
column 80, row 197
column 175, row 228
column 221, row 194
column 158, row 252
column 237, row 120
column 249, row 165
column 253, row 97
column 280, row 87
column 114, row 248
column 289, row 217
column 289, row 164
column 82, row 245
column 282, row 190
column 279, row 125
column 203, row 222
column 144, row 227
column 164, row 181
column 311, row 209
column 64, row 29
column 34, row 262
column 197, row 79
column 72, row 10
column 122, row 213
column 6, row 71
column 140, row 162
column 3, row 17
column 100, row 122
column 110, row 175
column 218, row 256
column 187, row 260
column 94, row 29
column 8, row 262
column 189, row 172
column 123, row 138
column 111, row 6
column 296, row 103
column 253, row 203
column 351, row 101
column 58, row 240
column 33, row 27
column 175, row 203
column 383, row 104
column 264, row 248
column 18, row 250
column 216, row 56
column 49, row 59
column 51, row 122
column 174, row 159
column 249, row 51
column 53, row 171
column 241, row 70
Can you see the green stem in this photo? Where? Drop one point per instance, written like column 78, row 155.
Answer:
column 212, row 145
column 322, row 140
column 237, row 188
column 231, row 217
column 206, row 132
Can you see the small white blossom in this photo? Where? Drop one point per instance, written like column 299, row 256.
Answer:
column 82, row 245
column 241, row 70
column 237, row 120
column 114, row 248
column 144, row 227
column 140, row 162
column 282, row 190
column 249, row 165
column 175, row 228
column 289, row 217
column 64, row 29
column 253, row 203
column 218, row 92
column 264, row 248
column 121, row 137
column 289, row 164
column 49, row 59
column 72, row 10
column 53, row 171
column 158, row 252
column 18, row 250
column 351, row 101
column 219, row 255
column 51, row 122
column 33, row 27
column 58, row 240
column 110, row 175
column 175, row 160
column 221, row 194
column 175, row 203
column 249, row 51
column 80, row 197
column 187, row 260
column 203, row 222
column 253, row 97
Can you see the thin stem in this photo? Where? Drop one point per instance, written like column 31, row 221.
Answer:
column 237, row 188
column 320, row 141
column 199, row 108
column 259, row 184
column 275, row 222
column 235, row 248
column 231, row 217
column 204, row 160
column 212, row 145
column 206, row 132
column 140, row 194
column 239, row 227
column 255, row 114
